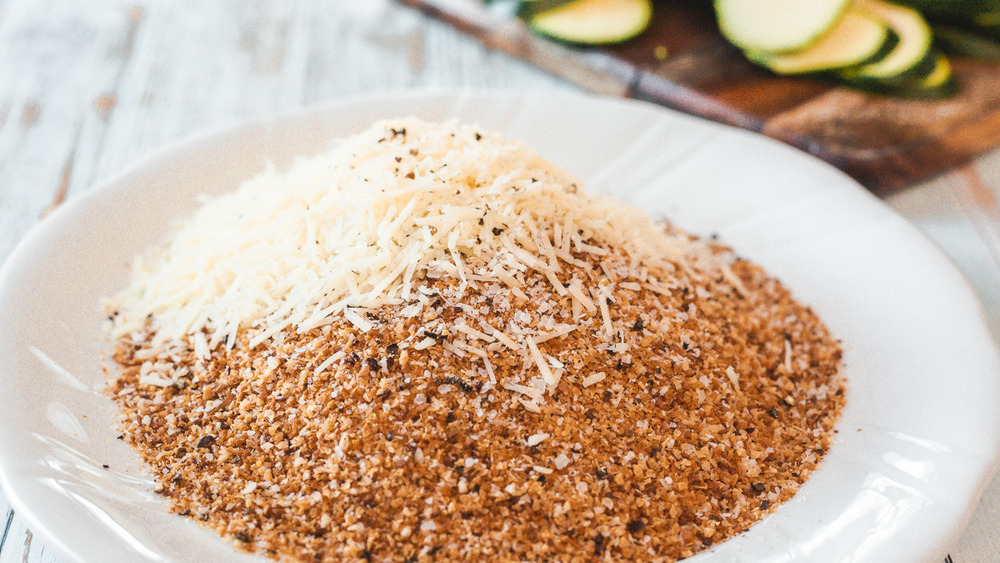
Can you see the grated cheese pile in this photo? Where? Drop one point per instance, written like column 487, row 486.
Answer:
column 357, row 228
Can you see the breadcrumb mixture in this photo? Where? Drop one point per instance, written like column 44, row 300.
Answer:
column 432, row 344
column 687, row 406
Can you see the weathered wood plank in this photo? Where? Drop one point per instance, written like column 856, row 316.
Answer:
column 53, row 70
column 17, row 543
column 87, row 88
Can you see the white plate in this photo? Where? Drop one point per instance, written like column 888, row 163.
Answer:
column 917, row 441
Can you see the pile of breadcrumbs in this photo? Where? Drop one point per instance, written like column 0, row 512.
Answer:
column 531, row 388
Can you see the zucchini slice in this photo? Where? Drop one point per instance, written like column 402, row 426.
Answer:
column 856, row 39
column 528, row 8
column 937, row 82
column 913, row 48
column 777, row 26
column 594, row 22
column 939, row 77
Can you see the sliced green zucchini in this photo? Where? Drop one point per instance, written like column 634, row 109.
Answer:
column 911, row 51
column 966, row 42
column 526, row 9
column 856, row 39
column 777, row 26
column 940, row 76
column 594, row 22
column 937, row 82
column 885, row 83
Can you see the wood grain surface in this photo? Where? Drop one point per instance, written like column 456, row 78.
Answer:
column 885, row 143
column 87, row 88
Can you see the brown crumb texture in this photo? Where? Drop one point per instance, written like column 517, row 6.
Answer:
column 439, row 435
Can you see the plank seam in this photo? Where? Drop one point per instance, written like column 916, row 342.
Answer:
column 6, row 529
column 67, row 174
column 28, row 536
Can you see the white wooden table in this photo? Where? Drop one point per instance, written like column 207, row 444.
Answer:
column 87, row 87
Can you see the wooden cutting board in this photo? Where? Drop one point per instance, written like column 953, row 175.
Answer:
column 885, row 143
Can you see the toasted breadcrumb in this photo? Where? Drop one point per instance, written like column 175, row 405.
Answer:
column 396, row 451
column 432, row 344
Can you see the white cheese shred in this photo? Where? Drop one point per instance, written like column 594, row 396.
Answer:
column 543, row 365
column 338, row 235
column 594, row 379
column 536, row 439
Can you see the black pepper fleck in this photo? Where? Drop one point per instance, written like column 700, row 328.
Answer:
column 635, row 526
column 598, row 543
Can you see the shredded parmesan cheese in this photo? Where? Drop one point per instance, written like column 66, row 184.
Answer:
column 536, row 439
column 734, row 378
column 561, row 461
column 425, row 344
column 543, row 365
column 355, row 227
column 594, row 378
